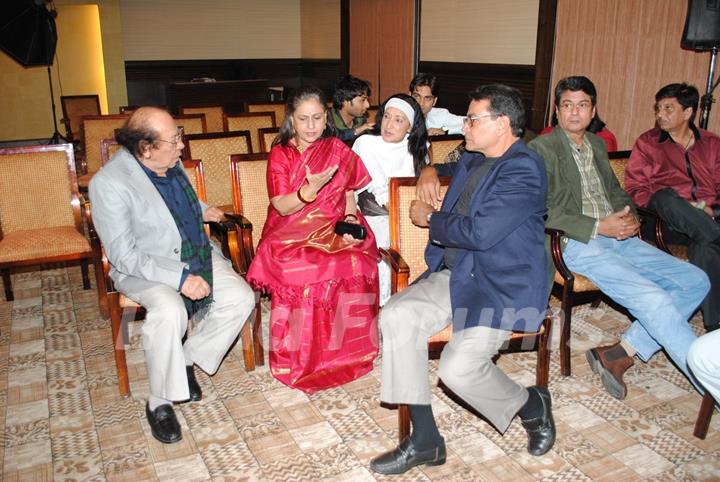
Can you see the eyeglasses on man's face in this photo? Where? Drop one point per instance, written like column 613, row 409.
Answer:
column 177, row 138
column 582, row 106
column 469, row 120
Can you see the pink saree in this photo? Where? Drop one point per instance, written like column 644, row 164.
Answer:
column 323, row 322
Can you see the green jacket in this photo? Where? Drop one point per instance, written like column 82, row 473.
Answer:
column 564, row 196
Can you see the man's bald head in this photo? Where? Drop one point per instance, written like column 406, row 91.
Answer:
column 141, row 129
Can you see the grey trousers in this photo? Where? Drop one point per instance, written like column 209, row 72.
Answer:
column 166, row 323
column 466, row 367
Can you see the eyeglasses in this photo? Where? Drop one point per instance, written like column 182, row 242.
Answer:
column 583, row 106
column 176, row 139
column 470, row 120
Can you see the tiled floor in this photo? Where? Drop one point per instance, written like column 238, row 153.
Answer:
column 64, row 420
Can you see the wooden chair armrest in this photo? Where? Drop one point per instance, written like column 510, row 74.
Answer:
column 556, row 254
column 101, row 263
column 649, row 215
column 399, row 270
column 235, row 237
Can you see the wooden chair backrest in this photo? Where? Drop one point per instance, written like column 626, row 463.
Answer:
column 96, row 128
column 278, row 108
column 252, row 122
column 214, row 149
column 267, row 136
column 213, row 115
column 372, row 113
column 191, row 123
column 406, row 238
column 618, row 163
column 39, row 188
column 441, row 146
column 74, row 107
column 108, row 147
column 250, row 194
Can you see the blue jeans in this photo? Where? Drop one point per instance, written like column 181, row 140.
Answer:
column 659, row 290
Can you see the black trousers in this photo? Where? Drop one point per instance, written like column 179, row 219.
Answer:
column 687, row 225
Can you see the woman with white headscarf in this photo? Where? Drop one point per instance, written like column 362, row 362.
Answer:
column 397, row 147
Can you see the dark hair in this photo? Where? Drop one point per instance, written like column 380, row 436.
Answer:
column 287, row 131
column 504, row 100
column 575, row 83
column 137, row 133
column 348, row 88
column 428, row 80
column 596, row 124
column 418, row 138
column 686, row 94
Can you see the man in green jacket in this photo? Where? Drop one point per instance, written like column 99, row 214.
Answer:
column 586, row 202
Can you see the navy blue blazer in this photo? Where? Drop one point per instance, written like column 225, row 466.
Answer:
column 499, row 278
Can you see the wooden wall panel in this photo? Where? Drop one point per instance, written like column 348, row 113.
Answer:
column 396, row 29
column 364, row 50
column 629, row 49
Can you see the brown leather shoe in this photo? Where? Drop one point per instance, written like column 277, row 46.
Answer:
column 611, row 371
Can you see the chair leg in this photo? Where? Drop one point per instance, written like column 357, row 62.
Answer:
column 118, row 344
column 703, row 420
column 403, row 421
column 567, row 302
column 542, row 371
column 257, row 336
column 247, row 346
column 84, row 269
column 7, row 281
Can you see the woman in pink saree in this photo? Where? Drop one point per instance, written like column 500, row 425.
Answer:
column 324, row 287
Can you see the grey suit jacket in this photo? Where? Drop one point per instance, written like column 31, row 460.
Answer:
column 140, row 237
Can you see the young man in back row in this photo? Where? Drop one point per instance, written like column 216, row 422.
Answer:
column 424, row 88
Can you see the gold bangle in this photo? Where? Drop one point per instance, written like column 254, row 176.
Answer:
column 302, row 199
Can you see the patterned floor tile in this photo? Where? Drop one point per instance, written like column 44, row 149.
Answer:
column 233, row 460
column 270, row 448
column 81, row 467
column 333, row 460
column 75, row 444
column 643, row 460
column 188, row 468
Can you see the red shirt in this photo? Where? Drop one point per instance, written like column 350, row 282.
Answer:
column 657, row 162
column 604, row 134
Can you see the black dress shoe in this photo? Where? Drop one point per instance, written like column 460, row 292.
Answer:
column 541, row 430
column 163, row 423
column 193, row 385
column 405, row 456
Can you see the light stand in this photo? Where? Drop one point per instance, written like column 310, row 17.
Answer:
column 707, row 100
column 56, row 138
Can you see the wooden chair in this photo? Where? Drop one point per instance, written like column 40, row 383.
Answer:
column 191, row 123
column 707, row 407
column 406, row 257
column 214, row 150
column 372, row 113
column 278, row 108
column 251, row 122
column 267, row 136
column 95, row 128
column 108, row 147
column 250, row 205
column 40, row 219
column 213, row 115
column 118, row 303
column 441, row 146
column 74, row 107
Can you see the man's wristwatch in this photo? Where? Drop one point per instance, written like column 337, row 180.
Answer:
column 429, row 216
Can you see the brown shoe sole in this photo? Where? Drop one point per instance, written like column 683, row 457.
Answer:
column 611, row 384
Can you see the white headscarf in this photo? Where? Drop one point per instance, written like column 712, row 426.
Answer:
column 403, row 107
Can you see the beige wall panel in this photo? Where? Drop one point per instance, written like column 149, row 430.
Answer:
column 320, row 29
column 213, row 29
column 629, row 49
column 479, row 31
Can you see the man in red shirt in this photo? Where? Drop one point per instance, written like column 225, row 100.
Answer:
column 674, row 169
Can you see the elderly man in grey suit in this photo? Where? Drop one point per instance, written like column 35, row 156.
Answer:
column 151, row 225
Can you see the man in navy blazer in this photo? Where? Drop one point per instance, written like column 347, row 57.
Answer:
column 487, row 276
